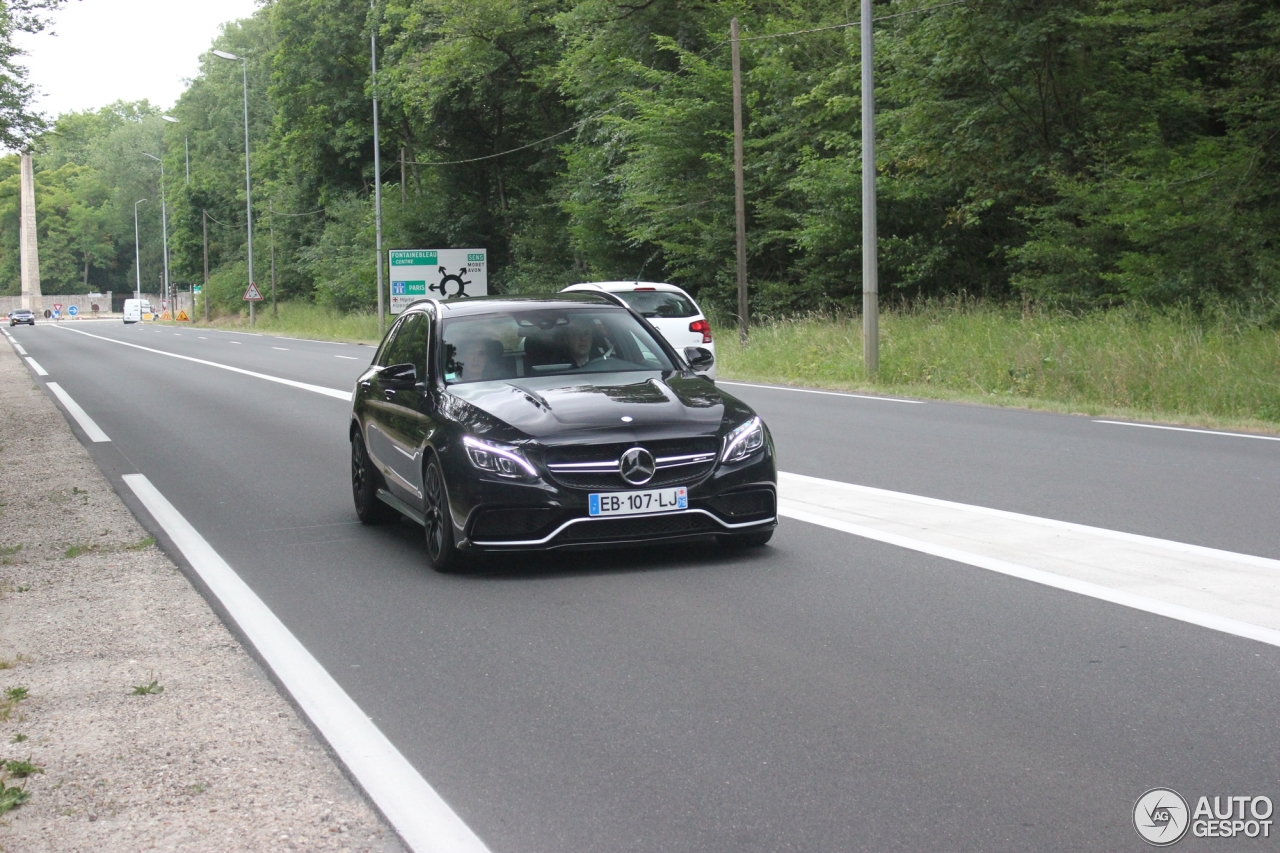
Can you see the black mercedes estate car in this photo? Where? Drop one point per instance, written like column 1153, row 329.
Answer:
column 506, row 424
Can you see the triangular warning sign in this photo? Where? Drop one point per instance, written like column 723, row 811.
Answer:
column 165, row 316
column 182, row 317
column 251, row 293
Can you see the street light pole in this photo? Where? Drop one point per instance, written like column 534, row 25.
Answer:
column 164, row 228
column 870, row 261
column 204, row 291
column 377, row 170
column 248, row 196
column 137, row 255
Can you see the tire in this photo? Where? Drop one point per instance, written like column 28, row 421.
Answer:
column 364, row 487
column 442, row 553
column 746, row 540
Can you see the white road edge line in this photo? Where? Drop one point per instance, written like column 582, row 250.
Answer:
column 1125, row 599
column 305, row 386
column 1166, row 544
column 40, row 371
column 1190, row 429
column 90, row 428
column 828, row 393
column 421, row 817
column 348, row 357
column 18, row 347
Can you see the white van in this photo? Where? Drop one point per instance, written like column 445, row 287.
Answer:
column 136, row 309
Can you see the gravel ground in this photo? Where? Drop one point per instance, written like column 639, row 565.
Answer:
column 90, row 609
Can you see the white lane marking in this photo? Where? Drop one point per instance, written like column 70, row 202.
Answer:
column 305, row 386
column 202, row 337
column 40, row 371
column 1189, row 429
column 815, row 391
column 1103, row 532
column 233, row 342
column 419, row 814
column 285, row 349
column 348, row 357
column 1092, row 590
column 90, row 428
column 19, row 348
column 177, row 334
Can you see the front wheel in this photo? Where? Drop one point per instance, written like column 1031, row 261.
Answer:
column 438, row 521
column 364, row 486
column 745, row 540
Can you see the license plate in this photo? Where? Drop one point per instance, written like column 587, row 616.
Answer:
column 634, row 503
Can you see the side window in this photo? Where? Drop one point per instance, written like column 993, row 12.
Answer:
column 409, row 346
column 383, row 359
column 645, row 352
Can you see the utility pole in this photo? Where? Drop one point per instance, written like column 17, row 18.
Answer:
column 401, row 176
column 739, row 193
column 870, row 264
column 275, row 312
column 204, row 291
column 377, row 170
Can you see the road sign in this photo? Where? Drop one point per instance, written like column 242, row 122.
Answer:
column 57, row 314
column 441, row 273
column 57, row 306
column 198, row 289
column 182, row 317
column 165, row 316
column 73, row 310
column 251, row 293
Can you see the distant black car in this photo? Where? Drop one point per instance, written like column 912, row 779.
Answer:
column 22, row 315
column 505, row 424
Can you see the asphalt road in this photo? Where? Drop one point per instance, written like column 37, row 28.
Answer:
column 824, row 693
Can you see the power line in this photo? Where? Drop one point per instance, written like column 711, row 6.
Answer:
column 671, row 74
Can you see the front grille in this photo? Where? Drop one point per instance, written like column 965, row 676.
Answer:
column 609, row 454
column 494, row 524
column 743, row 506
column 622, row 528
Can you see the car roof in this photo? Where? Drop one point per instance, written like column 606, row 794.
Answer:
column 491, row 304
column 621, row 286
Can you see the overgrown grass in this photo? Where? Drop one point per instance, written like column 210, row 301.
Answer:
column 302, row 320
column 1221, row 369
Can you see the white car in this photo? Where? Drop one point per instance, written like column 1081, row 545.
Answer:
column 668, row 308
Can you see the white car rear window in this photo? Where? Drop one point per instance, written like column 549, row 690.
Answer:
column 660, row 304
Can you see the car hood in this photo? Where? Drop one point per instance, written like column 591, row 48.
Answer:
column 554, row 409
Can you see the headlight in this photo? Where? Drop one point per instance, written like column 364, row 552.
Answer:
column 743, row 441
column 497, row 459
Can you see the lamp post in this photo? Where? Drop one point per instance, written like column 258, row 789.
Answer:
column 377, row 169
column 870, row 263
column 248, row 197
column 164, row 226
column 137, row 256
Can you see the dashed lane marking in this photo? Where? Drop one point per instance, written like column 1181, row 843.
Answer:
column 87, row 424
column 305, row 386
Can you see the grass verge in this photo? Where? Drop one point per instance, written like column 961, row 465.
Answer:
column 1171, row 366
column 301, row 320
column 1218, row 370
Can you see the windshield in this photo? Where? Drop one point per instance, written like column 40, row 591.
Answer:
column 659, row 304
column 547, row 342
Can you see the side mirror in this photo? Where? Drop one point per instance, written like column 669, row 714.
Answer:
column 699, row 358
column 399, row 374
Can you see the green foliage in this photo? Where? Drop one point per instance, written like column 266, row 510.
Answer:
column 1076, row 153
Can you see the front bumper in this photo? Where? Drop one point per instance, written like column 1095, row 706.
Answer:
column 497, row 516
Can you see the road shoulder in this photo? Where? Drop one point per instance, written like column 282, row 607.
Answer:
column 145, row 721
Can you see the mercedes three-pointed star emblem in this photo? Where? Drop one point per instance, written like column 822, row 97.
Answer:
column 637, row 466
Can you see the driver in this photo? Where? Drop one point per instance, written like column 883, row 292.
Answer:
column 578, row 337
column 479, row 358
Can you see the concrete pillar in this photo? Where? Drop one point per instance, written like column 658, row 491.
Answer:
column 29, row 251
